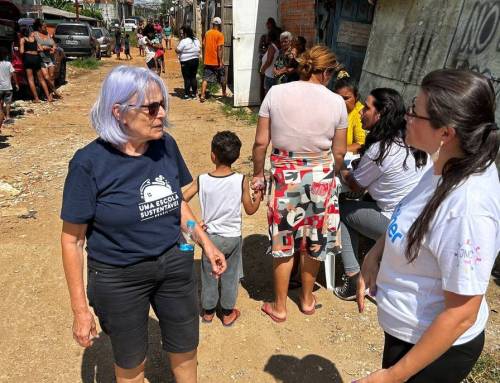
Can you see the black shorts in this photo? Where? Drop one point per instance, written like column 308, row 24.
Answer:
column 451, row 367
column 121, row 298
column 33, row 62
column 151, row 64
column 213, row 74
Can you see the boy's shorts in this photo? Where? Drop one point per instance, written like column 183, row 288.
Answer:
column 213, row 74
column 6, row 96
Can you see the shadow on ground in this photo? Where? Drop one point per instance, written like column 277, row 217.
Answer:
column 258, row 268
column 311, row 368
column 4, row 141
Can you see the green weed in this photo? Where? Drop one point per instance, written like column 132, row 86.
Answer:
column 86, row 63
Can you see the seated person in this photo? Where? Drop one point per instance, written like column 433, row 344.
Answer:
column 348, row 90
column 388, row 170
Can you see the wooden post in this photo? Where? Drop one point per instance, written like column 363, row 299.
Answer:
column 77, row 10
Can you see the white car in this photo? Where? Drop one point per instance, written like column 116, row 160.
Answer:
column 130, row 24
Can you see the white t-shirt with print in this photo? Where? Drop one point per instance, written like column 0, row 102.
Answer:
column 190, row 49
column 389, row 182
column 6, row 70
column 457, row 255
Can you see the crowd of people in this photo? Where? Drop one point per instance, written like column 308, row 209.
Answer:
column 425, row 192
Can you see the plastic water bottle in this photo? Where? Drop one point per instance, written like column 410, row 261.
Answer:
column 189, row 245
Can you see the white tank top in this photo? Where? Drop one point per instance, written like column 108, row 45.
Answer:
column 220, row 200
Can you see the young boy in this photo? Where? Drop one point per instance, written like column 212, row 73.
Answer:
column 221, row 193
column 126, row 44
column 7, row 76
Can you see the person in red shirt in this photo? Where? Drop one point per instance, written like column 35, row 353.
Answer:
column 213, row 58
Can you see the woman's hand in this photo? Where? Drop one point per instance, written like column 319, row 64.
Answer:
column 84, row 329
column 368, row 274
column 379, row 376
column 367, row 280
column 216, row 258
column 258, row 183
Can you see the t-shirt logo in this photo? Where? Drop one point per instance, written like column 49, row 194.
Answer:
column 159, row 198
column 468, row 254
column 392, row 230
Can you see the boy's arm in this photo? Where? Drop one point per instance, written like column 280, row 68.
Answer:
column 190, row 191
column 14, row 77
column 250, row 205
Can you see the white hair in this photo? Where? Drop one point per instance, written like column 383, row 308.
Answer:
column 119, row 87
column 286, row 35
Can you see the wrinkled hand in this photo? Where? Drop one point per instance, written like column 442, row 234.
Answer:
column 379, row 376
column 84, row 329
column 367, row 280
column 216, row 258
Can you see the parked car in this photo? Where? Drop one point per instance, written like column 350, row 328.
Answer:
column 76, row 39
column 104, row 40
column 130, row 24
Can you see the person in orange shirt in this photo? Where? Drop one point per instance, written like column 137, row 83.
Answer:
column 213, row 58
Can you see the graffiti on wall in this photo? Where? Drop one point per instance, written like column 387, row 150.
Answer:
column 476, row 45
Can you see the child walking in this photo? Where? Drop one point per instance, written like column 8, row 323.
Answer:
column 221, row 193
column 126, row 43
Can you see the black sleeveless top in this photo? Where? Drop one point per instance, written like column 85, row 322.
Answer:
column 30, row 46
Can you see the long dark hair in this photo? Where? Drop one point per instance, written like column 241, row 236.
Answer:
column 391, row 127
column 188, row 32
column 463, row 100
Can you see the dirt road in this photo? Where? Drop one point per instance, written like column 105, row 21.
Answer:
column 335, row 345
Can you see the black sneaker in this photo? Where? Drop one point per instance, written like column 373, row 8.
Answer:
column 347, row 291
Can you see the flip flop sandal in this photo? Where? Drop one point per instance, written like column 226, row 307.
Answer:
column 236, row 313
column 268, row 310
column 202, row 99
column 207, row 318
column 313, row 310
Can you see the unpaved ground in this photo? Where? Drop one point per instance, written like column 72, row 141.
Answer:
column 36, row 345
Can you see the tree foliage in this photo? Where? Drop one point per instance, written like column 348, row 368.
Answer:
column 89, row 10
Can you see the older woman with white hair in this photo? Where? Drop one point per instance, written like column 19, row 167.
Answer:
column 123, row 196
column 283, row 64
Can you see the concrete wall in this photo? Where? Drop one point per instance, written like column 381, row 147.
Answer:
column 410, row 38
column 298, row 17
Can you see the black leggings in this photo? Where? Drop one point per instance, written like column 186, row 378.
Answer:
column 189, row 69
column 451, row 367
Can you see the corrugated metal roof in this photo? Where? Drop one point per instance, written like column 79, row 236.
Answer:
column 59, row 12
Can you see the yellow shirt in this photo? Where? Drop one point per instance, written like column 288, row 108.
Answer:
column 355, row 132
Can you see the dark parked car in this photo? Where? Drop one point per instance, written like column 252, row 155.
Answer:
column 106, row 43
column 76, row 39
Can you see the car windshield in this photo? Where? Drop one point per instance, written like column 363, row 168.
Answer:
column 130, row 21
column 97, row 33
column 78, row 30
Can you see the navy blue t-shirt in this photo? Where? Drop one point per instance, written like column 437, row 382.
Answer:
column 132, row 205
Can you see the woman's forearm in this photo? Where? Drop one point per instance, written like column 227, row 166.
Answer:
column 438, row 338
column 259, row 158
column 72, row 257
column 199, row 235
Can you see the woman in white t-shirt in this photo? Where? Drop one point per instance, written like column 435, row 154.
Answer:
column 388, row 170
column 306, row 124
column 443, row 238
column 269, row 59
column 188, row 50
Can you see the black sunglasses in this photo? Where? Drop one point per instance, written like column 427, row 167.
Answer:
column 153, row 108
column 410, row 111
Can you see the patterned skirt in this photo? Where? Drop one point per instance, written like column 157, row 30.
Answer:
column 303, row 212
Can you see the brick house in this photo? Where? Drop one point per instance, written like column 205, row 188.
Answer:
column 299, row 18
